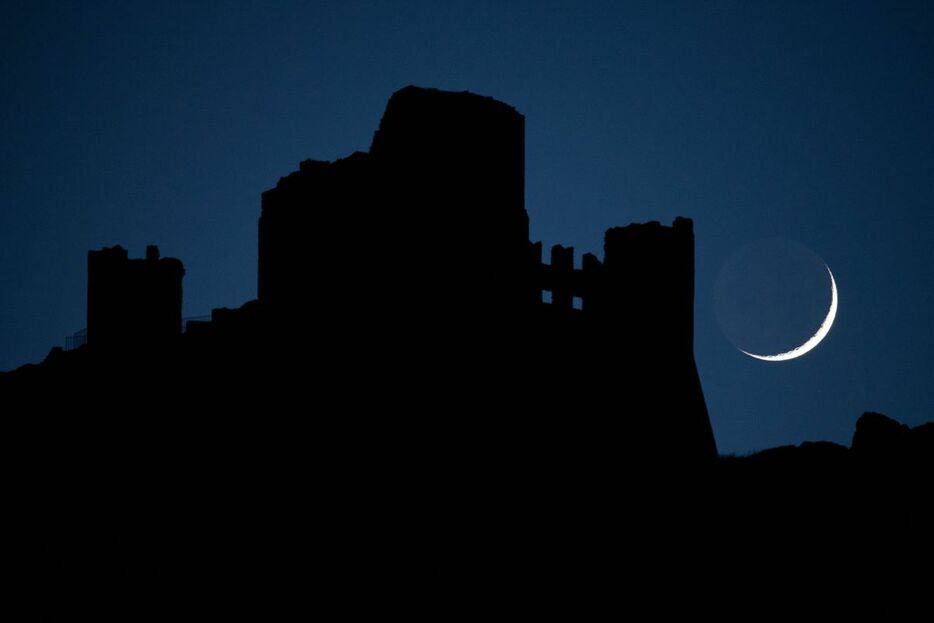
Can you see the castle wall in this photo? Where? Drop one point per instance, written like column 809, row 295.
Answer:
column 422, row 246
column 408, row 270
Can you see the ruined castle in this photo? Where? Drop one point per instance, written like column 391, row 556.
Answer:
column 403, row 280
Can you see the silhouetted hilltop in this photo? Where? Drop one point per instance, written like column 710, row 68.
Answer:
column 403, row 279
column 829, row 503
column 878, row 442
column 413, row 383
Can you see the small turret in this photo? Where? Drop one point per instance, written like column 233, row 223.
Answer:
column 133, row 302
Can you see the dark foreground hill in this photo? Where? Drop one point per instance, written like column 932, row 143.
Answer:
column 145, row 501
column 416, row 407
column 880, row 480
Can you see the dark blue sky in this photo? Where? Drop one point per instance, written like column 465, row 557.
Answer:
column 138, row 123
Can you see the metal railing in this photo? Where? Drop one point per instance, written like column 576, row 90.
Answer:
column 80, row 337
column 76, row 339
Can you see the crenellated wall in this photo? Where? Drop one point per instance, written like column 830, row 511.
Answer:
column 647, row 275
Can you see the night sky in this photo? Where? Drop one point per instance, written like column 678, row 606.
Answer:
column 812, row 123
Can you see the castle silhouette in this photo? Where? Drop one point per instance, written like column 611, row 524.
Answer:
column 405, row 275
column 413, row 386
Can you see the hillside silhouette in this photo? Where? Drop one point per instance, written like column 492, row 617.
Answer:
column 412, row 368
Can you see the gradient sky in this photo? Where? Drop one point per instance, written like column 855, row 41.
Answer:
column 160, row 122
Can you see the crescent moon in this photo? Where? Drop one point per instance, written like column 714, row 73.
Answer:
column 814, row 339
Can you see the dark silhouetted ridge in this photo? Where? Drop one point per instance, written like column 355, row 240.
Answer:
column 413, row 370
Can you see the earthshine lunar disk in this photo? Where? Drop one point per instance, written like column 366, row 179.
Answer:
column 816, row 338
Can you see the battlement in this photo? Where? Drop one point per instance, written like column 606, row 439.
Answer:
column 636, row 258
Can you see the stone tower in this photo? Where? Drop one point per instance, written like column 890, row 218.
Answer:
column 133, row 304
